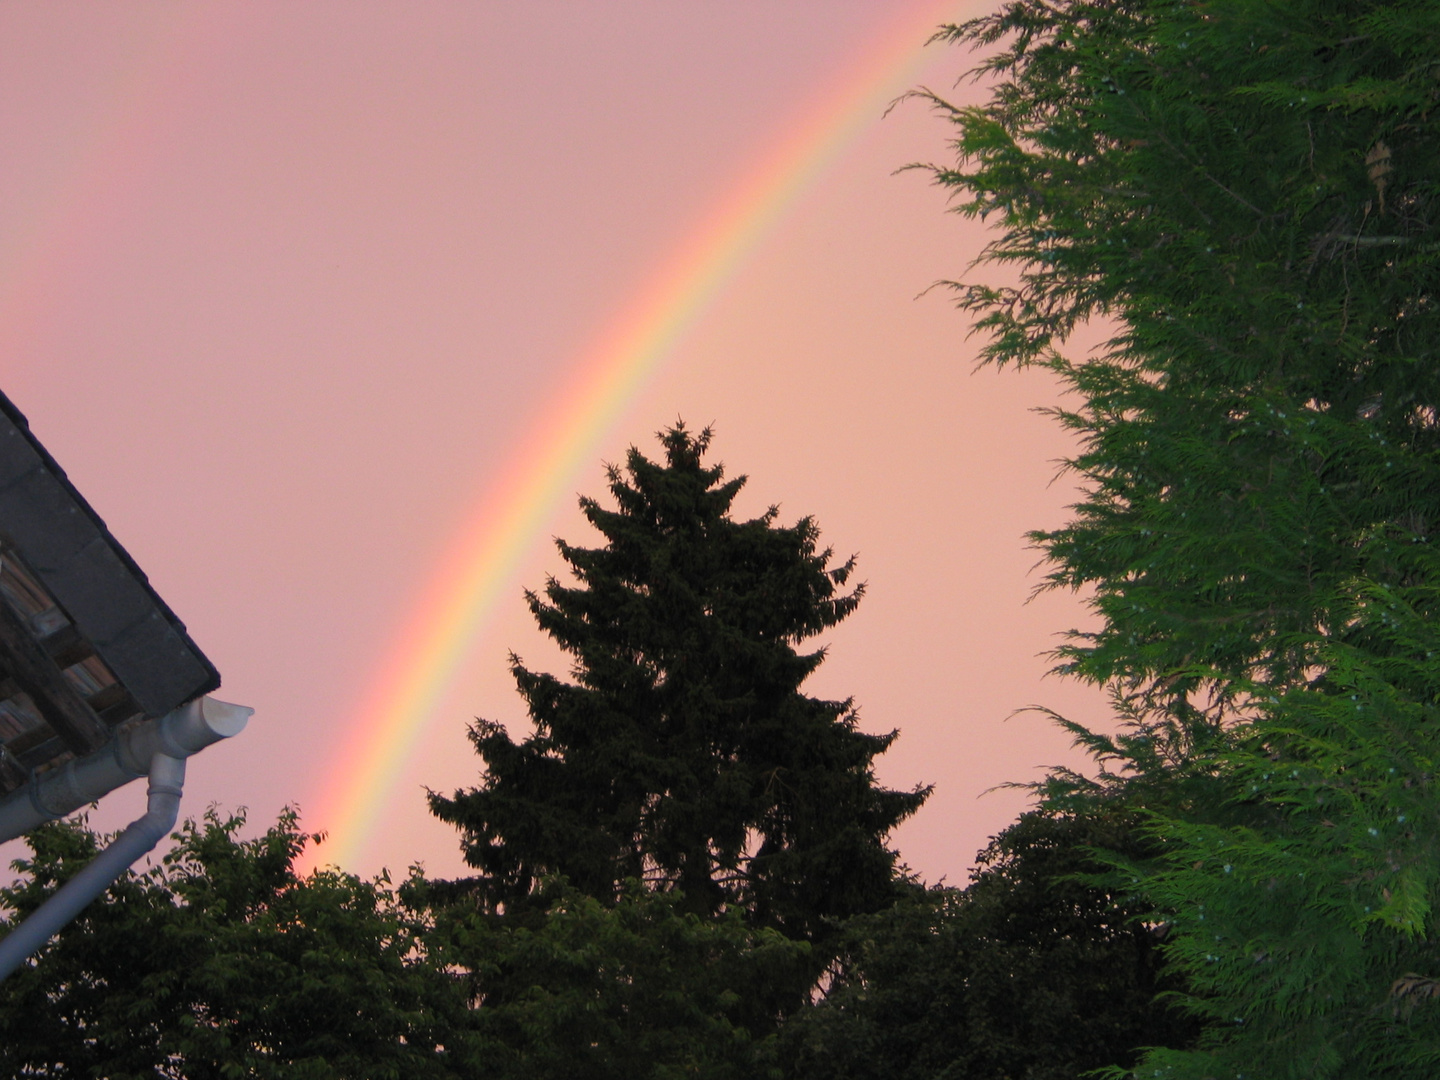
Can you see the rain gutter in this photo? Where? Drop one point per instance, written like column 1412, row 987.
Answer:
column 155, row 748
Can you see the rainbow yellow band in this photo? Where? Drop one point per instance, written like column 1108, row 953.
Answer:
column 480, row 569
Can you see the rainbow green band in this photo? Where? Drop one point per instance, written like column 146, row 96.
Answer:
column 480, row 571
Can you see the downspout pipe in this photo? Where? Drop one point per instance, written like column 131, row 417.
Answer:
column 167, row 780
column 173, row 738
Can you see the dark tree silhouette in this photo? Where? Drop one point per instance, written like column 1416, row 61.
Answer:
column 221, row 961
column 1041, row 968
column 684, row 754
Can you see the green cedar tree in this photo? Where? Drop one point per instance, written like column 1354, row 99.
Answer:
column 684, row 754
column 1248, row 190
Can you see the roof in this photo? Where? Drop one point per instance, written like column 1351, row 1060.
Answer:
column 86, row 645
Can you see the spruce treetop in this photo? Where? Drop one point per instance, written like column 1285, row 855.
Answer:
column 684, row 754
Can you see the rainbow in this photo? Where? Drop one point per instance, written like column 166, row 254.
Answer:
column 505, row 524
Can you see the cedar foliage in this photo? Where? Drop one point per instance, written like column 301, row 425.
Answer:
column 1248, row 190
column 684, row 754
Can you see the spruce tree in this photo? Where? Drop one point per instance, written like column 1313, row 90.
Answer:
column 684, row 754
column 1249, row 191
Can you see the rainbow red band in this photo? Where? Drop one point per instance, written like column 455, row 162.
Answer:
column 479, row 571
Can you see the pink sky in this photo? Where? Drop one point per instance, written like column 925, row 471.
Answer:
column 285, row 288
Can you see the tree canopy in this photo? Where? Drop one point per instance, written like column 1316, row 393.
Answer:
column 220, row 961
column 1042, row 967
column 633, row 988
